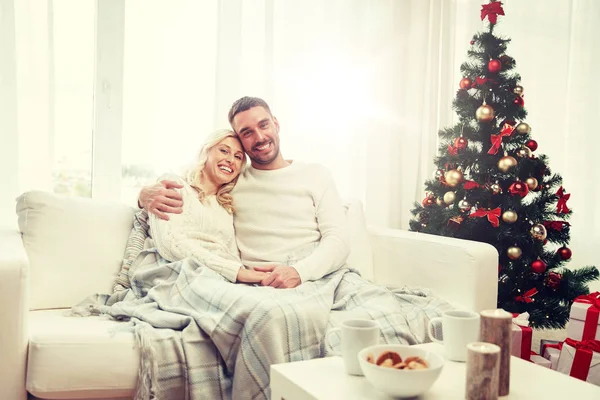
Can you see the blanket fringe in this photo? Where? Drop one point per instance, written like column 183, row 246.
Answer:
column 147, row 383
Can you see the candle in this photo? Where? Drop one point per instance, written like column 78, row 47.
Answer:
column 495, row 328
column 483, row 360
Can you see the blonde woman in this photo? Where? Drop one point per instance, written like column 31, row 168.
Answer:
column 204, row 230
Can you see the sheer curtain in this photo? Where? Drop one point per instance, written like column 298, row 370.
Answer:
column 361, row 86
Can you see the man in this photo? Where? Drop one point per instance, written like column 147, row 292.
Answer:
column 289, row 218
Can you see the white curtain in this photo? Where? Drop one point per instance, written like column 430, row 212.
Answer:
column 361, row 86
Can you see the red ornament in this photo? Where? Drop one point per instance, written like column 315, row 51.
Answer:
column 564, row 252
column 472, row 42
column 538, row 266
column 519, row 101
column 465, row 83
column 518, row 188
column 532, row 144
column 461, row 143
column 428, row 201
column 553, row 280
column 494, row 66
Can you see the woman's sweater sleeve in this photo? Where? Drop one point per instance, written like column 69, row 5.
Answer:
column 181, row 237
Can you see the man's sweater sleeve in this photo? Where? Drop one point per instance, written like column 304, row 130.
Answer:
column 332, row 251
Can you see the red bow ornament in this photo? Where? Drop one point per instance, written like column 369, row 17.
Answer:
column 452, row 150
column 556, row 225
column 527, row 296
column 491, row 11
column 561, row 207
column 471, row 185
column 496, row 140
column 492, row 215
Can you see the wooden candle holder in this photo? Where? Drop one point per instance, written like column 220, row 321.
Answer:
column 483, row 361
column 496, row 328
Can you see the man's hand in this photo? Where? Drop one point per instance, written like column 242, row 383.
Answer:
column 250, row 276
column 162, row 198
column 281, row 276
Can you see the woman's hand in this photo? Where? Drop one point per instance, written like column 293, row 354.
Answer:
column 250, row 276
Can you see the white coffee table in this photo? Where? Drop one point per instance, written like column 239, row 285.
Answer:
column 326, row 379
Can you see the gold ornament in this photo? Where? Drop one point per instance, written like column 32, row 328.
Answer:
column 453, row 177
column 449, row 197
column 514, row 252
column 496, row 188
column 439, row 202
column 538, row 232
column 464, row 205
column 506, row 163
column 518, row 90
column 510, row 217
column 532, row 183
column 523, row 128
column 523, row 152
column 484, row 113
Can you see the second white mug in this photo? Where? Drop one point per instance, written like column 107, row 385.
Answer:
column 356, row 334
column 457, row 328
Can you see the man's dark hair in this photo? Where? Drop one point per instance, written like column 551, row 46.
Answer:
column 246, row 103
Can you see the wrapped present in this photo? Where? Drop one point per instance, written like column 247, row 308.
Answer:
column 550, row 350
column 539, row 360
column 583, row 319
column 521, row 336
column 581, row 360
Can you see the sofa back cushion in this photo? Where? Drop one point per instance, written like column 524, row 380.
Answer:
column 75, row 246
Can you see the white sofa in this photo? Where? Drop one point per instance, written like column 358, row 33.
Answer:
column 69, row 248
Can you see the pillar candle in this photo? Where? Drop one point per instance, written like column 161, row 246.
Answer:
column 495, row 328
column 483, row 361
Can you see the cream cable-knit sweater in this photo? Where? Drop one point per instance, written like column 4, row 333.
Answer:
column 203, row 231
column 291, row 216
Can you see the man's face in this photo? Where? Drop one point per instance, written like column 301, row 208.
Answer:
column 259, row 133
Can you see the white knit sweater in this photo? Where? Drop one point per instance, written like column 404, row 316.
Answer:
column 203, row 231
column 290, row 216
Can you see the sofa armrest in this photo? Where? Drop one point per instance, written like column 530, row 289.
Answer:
column 14, row 268
column 463, row 272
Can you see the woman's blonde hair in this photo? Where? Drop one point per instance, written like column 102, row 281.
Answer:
column 196, row 171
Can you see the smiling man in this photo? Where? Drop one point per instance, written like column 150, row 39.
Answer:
column 289, row 218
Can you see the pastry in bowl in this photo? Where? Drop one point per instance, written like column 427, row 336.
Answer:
column 400, row 370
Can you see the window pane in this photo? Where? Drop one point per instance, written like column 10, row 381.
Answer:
column 168, row 87
column 73, row 79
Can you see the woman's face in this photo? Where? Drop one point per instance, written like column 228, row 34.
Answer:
column 224, row 161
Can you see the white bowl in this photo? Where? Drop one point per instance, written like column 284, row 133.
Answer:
column 401, row 382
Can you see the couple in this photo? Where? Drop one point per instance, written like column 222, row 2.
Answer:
column 288, row 216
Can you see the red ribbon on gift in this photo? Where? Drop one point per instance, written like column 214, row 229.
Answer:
column 491, row 11
column 558, row 346
column 592, row 315
column 526, row 335
column 527, row 296
column 496, row 140
column 492, row 215
column 471, row 185
column 584, row 352
column 561, row 206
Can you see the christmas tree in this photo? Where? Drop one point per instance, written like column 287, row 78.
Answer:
column 491, row 186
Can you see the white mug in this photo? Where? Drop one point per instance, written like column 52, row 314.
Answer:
column 458, row 328
column 356, row 334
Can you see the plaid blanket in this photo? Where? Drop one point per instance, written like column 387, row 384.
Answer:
column 175, row 305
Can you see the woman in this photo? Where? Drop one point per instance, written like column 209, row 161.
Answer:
column 204, row 230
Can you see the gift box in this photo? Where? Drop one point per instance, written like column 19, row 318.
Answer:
column 521, row 337
column 583, row 318
column 550, row 350
column 581, row 360
column 539, row 360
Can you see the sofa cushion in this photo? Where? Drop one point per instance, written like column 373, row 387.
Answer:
column 83, row 357
column 75, row 246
